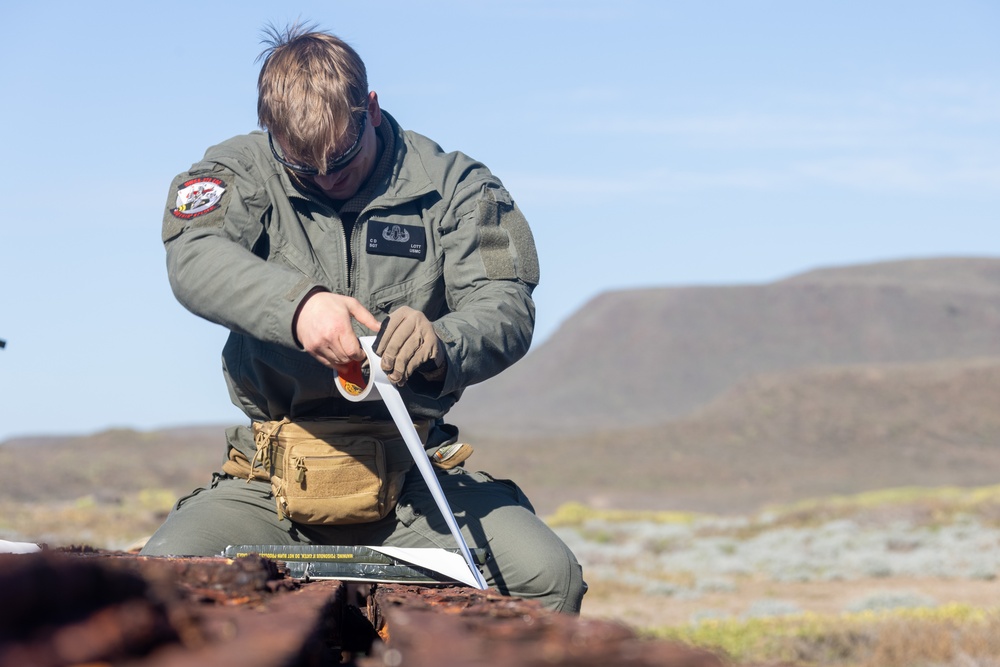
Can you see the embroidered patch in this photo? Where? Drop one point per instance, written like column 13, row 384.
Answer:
column 387, row 238
column 198, row 196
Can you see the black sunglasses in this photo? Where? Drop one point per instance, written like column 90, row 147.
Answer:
column 334, row 164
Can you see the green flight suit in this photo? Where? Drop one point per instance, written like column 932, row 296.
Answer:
column 431, row 230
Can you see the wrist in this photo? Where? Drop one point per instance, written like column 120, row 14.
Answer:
column 298, row 311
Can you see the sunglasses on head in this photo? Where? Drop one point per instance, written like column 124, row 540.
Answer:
column 334, row 164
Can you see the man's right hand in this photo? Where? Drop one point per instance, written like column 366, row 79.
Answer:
column 323, row 328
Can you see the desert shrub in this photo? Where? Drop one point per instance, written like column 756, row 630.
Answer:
column 899, row 638
column 716, row 585
column 885, row 600
column 770, row 607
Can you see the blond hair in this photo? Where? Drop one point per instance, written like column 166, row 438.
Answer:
column 312, row 86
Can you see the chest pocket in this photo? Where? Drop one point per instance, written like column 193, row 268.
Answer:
column 402, row 261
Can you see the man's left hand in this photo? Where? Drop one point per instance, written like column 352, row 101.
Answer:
column 408, row 345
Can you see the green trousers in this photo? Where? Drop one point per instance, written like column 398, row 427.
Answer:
column 528, row 560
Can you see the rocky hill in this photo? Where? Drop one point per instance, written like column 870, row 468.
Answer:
column 640, row 357
column 777, row 438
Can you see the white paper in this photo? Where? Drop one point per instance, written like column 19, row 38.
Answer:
column 18, row 547
column 448, row 563
column 404, row 423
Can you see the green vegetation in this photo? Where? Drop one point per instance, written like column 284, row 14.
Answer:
column 929, row 506
column 898, row 638
column 576, row 514
column 933, row 505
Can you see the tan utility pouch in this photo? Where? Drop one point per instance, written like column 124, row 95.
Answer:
column 333, row 472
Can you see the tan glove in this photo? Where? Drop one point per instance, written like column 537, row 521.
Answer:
column 408, row 344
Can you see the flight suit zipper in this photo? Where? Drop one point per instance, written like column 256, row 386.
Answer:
column 356, row 248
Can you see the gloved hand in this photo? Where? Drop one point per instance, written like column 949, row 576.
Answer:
column 408, row 344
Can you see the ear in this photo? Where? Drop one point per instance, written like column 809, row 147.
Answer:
column 374, row 110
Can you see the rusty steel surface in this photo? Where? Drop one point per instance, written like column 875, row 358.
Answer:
column 68, row 609
column 424, row 627
column 90, row 608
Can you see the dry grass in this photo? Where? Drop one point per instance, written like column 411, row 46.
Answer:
column 932, row 505
column 576, row 514
column 114, row 524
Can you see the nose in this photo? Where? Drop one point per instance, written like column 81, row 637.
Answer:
column 327, row 181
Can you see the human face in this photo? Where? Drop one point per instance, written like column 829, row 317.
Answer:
column 348, row 170
column 333, row 163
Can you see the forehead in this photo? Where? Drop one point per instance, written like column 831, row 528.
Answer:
column 334, row 147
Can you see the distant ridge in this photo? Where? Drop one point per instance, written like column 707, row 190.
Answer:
column 638, row 357
column 949, row 273
column 777, row 438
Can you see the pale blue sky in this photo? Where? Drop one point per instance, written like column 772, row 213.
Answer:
column 648, row 143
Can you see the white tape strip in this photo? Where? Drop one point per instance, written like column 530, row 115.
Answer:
column 18, row 547
column 387, row 391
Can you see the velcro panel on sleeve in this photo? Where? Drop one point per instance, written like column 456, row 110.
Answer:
column 506, row 245
column 196, row 199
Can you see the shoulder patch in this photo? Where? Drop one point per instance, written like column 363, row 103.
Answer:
column 198, row 196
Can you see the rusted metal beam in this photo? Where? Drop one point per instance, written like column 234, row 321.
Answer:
column 428, row 627
column 61, row 609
